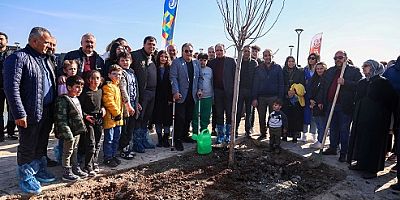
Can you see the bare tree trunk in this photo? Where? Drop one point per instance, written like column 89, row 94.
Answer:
column 234, row 105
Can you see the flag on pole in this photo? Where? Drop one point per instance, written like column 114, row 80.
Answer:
column 315, row 46
column 170, row 7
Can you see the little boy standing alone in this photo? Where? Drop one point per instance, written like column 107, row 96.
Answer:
column 68, row 126
column 277, row 123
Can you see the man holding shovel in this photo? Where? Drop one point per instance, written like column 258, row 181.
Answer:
column 342, row 114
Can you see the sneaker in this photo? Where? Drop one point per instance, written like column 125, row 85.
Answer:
column 44, row 177
column 342, row 157
column 68, row 175
column 77, row 171
column 127, row 155
column 329, row 151
column 316, row 145
column 31, row 186
column 90, row 171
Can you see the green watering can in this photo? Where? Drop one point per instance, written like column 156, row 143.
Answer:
column 203, row 142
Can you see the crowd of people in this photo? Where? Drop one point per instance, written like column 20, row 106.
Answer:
column 121, row 94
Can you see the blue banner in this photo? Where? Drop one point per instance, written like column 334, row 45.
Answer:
column 168, row 24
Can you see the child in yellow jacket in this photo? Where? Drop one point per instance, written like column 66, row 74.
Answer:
column 113, row 119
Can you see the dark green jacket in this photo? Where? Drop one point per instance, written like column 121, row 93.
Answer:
column 68, row 119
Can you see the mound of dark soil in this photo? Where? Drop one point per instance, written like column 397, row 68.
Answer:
column 257, row 174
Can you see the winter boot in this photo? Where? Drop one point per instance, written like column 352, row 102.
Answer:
column 146, row 140
column 43, row 174
column 220, row 136
column 137, row 144
column 27, row 180
column 68, row 175
column 228, row 133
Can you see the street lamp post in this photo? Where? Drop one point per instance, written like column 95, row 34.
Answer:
column 298, row 31
column 291, row 48
column 17, row 45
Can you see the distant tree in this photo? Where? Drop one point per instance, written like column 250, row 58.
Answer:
column 245, row 21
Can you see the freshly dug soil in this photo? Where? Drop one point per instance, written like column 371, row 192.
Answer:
column 257, row 174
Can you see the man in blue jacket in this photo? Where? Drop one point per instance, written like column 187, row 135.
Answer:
column 186, row 88
column 29, row 85
column 267, row 87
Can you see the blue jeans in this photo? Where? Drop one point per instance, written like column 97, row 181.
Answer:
column 339, row 130
column 111, row 141
column 320, row 122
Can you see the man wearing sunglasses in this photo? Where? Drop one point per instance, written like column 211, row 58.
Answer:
column 223, row 78
column 186, row 88
column 342, row 114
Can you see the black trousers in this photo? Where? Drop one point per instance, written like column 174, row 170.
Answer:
column 244, row 101
column 183, row 117
column 127, row 131
column 148, row 100
column 223, row 105
column 34, row 139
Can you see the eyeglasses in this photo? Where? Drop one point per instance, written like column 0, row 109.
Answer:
column 338, row 57
column 188, row 51
column 312, row 58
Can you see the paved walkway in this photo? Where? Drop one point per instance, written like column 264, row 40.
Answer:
column 353, row 187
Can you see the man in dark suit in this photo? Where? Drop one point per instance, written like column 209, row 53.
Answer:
column 223, row 77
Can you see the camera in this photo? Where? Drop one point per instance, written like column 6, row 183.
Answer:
column 116, row 118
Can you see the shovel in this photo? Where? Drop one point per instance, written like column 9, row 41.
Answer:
column 316, row 158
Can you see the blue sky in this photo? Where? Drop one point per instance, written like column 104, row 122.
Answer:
column 366, row 29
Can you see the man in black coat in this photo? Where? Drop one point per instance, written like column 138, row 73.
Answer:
column 246, row 85
column 146, row 74
column 223, row 78
column 342, row 114
column 88, row 58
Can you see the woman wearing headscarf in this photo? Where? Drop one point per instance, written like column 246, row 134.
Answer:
column 373, row 118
